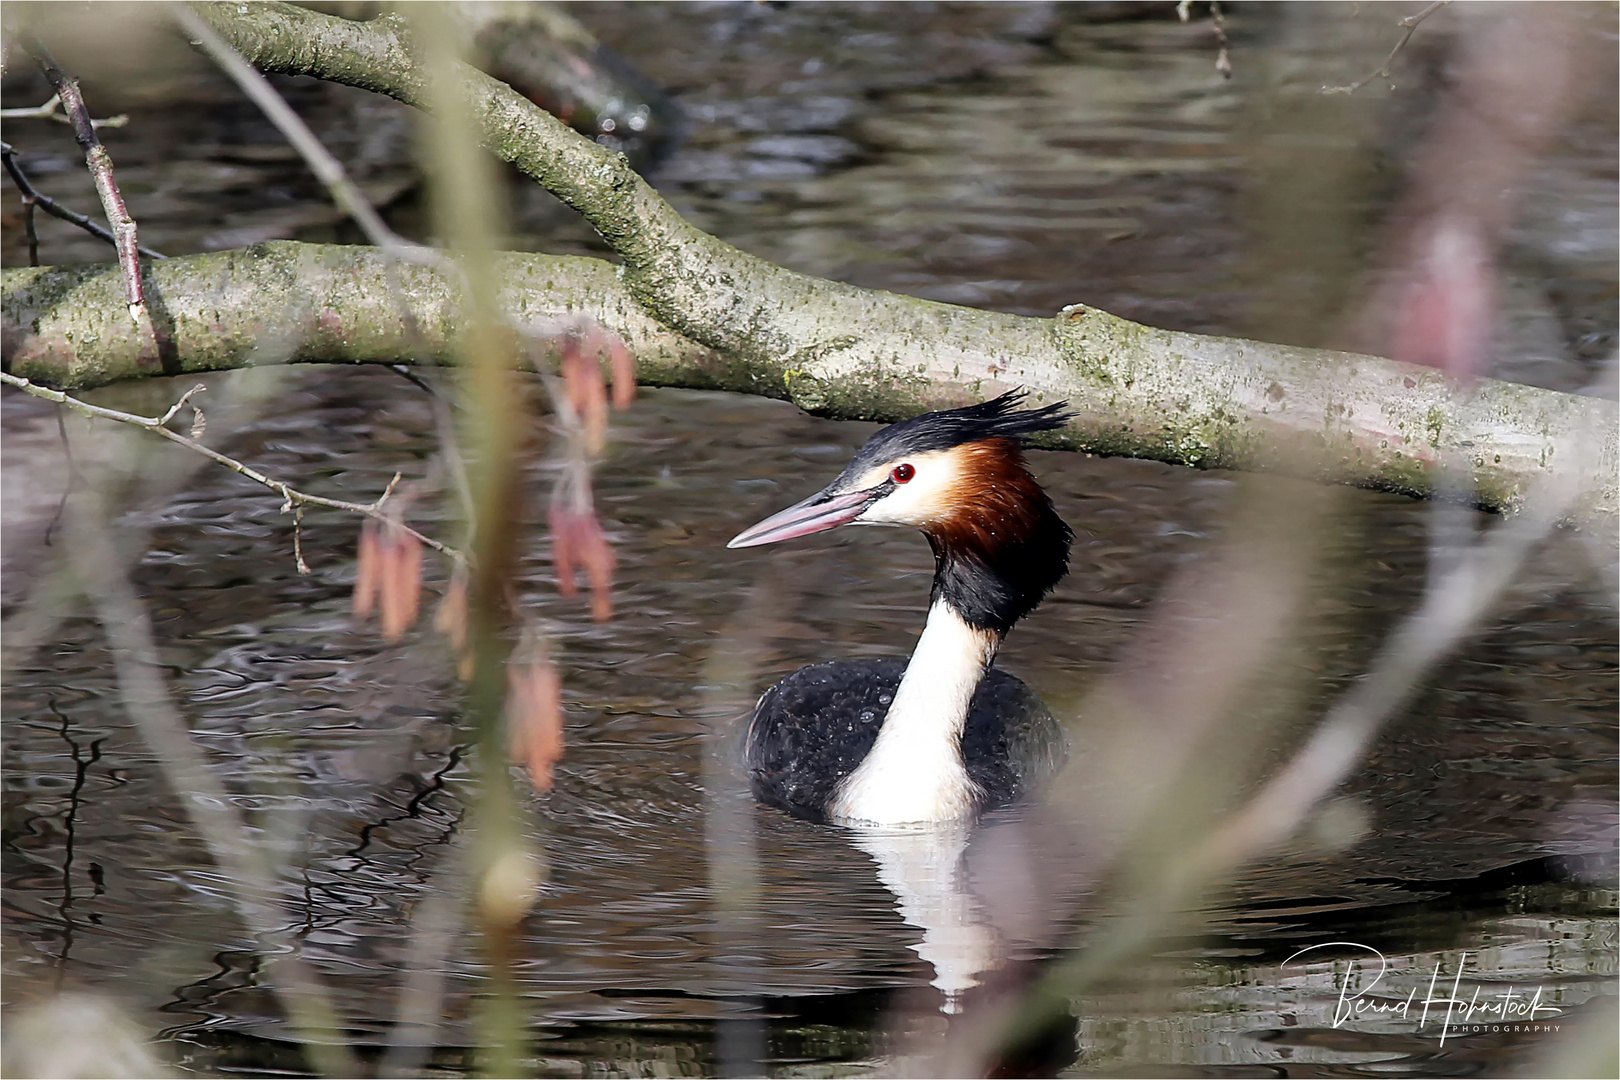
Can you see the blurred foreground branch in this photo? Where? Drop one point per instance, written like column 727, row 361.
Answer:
column 1454, row 606
column 1162, row 793
column 251, row 882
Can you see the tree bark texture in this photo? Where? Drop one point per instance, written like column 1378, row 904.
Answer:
column 702, row 313
column 286, row 302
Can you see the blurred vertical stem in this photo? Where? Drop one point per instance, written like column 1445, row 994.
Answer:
column 730, row 678
column 98, row 564
column 1237, row 687
column 504, row 861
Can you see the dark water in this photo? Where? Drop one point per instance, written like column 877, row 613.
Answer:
column 1015, row 157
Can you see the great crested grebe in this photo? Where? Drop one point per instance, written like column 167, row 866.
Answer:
column 944, row 735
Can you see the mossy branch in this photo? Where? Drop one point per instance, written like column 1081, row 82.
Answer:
column 322, row 304
column 1182, row 398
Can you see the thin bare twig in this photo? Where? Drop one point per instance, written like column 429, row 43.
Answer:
column 42, row 610
column 174, row 409
column 33, row 233
column 32, row 197
column 387, row 491
column 291, row 496
column 112, row 200
column 298, row 540
column 326, row 168
column 52, row 110
column 1410, row 23
column 1223, row 58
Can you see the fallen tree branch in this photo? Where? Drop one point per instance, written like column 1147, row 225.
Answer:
column 1186, row 399
column 64, row 327
column 292, row 496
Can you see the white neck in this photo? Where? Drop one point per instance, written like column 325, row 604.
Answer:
column 915, row 771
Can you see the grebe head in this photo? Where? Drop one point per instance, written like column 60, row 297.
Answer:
column 958, row 475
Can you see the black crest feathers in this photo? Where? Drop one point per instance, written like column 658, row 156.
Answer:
column 998, row 418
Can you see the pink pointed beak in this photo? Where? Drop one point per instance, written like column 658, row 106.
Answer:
column 818, row 513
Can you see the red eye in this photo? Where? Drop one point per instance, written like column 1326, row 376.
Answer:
column 903, row 473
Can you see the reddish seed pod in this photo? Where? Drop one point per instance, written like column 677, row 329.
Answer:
column 562, row 548
column 366, row 576
column 400, row 586
column 534, row 718
column 587, row 393
column 578, row 543
column 624, row 373
column 451, row 618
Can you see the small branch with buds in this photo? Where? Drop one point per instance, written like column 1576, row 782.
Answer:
column 1223, row 55
column 292, row 498
column 1410, row 24
column 52, row 110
